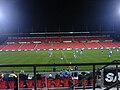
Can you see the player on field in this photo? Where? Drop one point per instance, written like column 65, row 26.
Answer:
column 50, row 54
column 75, row 56
column 81, row 51
column 102, row 51
column 76, row 51
column 117, row 50
column 110, row 53
column 61, row 57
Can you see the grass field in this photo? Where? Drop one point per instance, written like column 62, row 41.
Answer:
column 42, row 57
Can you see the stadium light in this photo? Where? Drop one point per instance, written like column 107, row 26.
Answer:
column 0, row 13
column 118, row 10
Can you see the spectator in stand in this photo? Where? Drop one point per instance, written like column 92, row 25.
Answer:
column 61, row 75
column 66, row 72
column 1, row 76
column 13, row 77
column 76, row 68
column 57, row 76
column 38, row 76
column 24, row 77
column 6, row 76
column 50, row 76
column 68, row 69
column 66, row 75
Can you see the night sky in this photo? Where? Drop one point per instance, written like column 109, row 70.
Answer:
column 57, row 15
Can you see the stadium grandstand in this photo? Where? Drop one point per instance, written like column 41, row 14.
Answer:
column 63, row 78
column 59, row 44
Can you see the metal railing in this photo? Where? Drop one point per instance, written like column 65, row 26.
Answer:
column 73, row 64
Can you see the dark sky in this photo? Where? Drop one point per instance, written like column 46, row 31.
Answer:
column 57, row 15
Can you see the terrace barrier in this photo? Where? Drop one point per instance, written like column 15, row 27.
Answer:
column 94, row 70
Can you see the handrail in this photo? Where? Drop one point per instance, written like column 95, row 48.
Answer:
column 113, row 85
column 91, row 74
column 116, row 62
column 65, row 64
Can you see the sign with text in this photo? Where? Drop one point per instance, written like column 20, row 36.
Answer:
column 110, row 75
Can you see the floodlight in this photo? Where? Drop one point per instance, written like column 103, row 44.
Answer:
column 119, row 11
column 0, row 14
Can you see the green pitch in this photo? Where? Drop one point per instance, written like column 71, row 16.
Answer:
column 42, row 57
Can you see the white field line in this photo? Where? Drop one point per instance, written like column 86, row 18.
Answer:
column 65, row 58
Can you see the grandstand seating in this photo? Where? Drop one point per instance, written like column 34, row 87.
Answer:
column 108, row 44
column 50, row 83
column 3, row 85
column 58, row 39
column 63, row 39
column 20, row 40
column 60, row 45
column 78, row 39
column 13, row 40
column 92, row 38
column 39, row 84
column 105, row 38
column 1, row 46
column 11, row 84
column 76, row 45
column 30, row 83
column 11, row 47
column 26, row 40
column 65, row 81
column 27, row 46
column 117, row 43
column 92, row 45
column 42, row 40
column 53, row 40
column 43, row 82
column 84, row 83
column 21, row 83
column 43, row 46
column 57, row 82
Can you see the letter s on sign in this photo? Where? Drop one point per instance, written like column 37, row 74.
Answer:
column 109, row 77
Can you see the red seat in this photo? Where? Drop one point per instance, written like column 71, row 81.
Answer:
column 3, row 85
column 30, row 83
column 84, row 82
column 11, row 84
column 21, row 84
column 76, row 82
column 57, row 82
column 64, row 82
column 39, row 84
column 49, row 82
column 91, row 82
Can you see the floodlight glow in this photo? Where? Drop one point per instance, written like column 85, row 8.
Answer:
column 0, row 14
column 119, row 11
